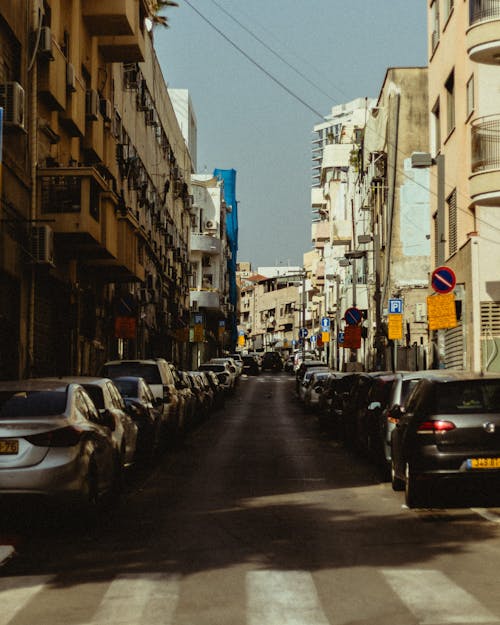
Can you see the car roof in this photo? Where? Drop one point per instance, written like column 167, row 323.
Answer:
column 36, row 384
column 87, row 379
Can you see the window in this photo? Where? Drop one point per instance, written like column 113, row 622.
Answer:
column 452, row 221
column 434, row 25
column 436, row 128
column 450, row 102
column 470, row 95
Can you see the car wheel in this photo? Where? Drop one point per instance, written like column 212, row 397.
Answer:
column 413, row 493
column 397, row 484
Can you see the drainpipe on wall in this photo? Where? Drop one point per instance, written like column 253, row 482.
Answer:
column 476, row 306
column 36, row 15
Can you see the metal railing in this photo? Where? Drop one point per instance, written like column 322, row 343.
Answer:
column 483, row 10
column 485, row 143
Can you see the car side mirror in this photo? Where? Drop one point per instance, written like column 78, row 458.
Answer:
column 374, row 405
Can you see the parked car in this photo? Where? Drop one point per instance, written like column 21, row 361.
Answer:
column 218, row 389
column 330, row 403
column 54, row 442
column 230, row 363
column 450, row 430
column 207, row 394
column 110, row 404
column 145, row 410
column 271, row 361
column 250, row 365
column 223, row 372
column 304, row 366
column 238, row 359
column 305, row 383
column 157, row 373
column 314, row 389
column 185, row 388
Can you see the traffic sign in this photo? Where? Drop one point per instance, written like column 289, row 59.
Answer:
column 395, row 306
column 353, row 316
column 352, row 337
column 441, row 311
column 325, row 324
column 340, row 337
column 395, row 327
column 303, row 333
column 313, row 338
column 443, row 280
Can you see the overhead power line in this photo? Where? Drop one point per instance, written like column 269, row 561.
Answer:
column 254, row 62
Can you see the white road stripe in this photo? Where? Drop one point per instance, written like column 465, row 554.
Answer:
column 284, row 598
column 139, row 599
column 6, row 552
column 434, row 599
column 17, row 592
column 487, row 514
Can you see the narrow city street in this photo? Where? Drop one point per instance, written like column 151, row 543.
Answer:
column 258, row 519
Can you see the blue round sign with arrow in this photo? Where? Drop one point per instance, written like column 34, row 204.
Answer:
column 353, row 316
column 443, row 280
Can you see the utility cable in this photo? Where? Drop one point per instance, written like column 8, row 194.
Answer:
column 254, row 62
column 274, row 52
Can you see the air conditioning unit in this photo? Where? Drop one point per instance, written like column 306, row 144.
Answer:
column 70, row 78
column 45, row 43
column 210, row 224
column 12, row 102
column 42, row 245
column 92, row 105
column 106, row 109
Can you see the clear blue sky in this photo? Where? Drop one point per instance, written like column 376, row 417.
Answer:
column 249, row 123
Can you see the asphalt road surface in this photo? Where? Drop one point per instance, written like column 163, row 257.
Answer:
column 257, row 520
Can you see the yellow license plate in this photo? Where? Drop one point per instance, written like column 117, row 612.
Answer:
column 484, row 463
column 9, row 447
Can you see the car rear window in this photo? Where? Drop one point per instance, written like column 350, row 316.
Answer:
column 149, row 372
column 127, row 388
column 96, row 394
column 32, row 403
column 468, row 396
column 214, row 367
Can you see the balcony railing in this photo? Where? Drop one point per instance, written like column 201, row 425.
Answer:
column 483, row 10
column 485, row 144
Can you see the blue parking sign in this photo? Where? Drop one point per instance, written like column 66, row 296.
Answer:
column 395, row 306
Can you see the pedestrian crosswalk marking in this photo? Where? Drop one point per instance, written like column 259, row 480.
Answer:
column 284, row 597
column 17, row 592
column 434, row 599
column 272, row 597
column 139, row 599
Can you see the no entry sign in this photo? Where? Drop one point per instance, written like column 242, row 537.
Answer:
column 443, row 280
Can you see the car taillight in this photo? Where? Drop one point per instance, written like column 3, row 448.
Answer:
column 435, row 426
column 64, row 437
column 391, row 418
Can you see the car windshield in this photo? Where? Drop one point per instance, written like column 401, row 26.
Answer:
column 32, row 403
column 149, row 372
column 127, row 388
column 468, row 396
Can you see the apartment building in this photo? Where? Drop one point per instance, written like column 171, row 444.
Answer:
column 209, row 281
column 464, row 72
column 95, row 200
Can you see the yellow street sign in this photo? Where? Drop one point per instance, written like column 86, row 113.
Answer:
column 441, row 312
column 395, row 327
column 325, row 337
column 241, row 340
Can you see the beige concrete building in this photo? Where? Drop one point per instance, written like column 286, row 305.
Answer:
column 464, row 72
column 94, row 214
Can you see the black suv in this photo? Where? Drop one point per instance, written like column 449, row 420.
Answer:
column 271, row 361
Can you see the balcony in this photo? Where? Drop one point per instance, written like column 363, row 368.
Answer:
column 93, row 140
column 205, row 243
column 320, row 233
column 128, row 48
column 204, row 298
column 113, row 17
column 342, row 232
column 52, row 79
column 485, row 160
column 483, row 35
column 73, row 116
column 70, row 197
